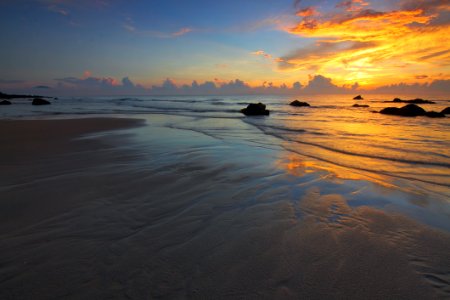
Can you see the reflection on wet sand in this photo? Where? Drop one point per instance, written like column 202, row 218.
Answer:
column 204, row 221
column 370, row 244
column 298, row 166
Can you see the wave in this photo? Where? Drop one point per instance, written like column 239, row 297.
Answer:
column 346, row 152
column 316, row 157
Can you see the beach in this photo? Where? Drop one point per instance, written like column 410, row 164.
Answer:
column 145, row 207
column 294, row 149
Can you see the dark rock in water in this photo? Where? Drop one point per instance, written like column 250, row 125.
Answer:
column 391, row 111
column 446, row 111
column 359, row 97
column 299, row 103
column 434, row 114
column 255, row 109
column 410, row 110
column 360, row 105
column 5, row 102
column 420, row 101
column 39, row 101
column 14, row 96
column 413, row 101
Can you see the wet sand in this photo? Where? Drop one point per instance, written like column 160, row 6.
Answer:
column 112, row 218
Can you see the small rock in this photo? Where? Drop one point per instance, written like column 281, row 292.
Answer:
column 434, row 114
column 255, row 109
column 410, row 110
column 446, row 111
column 5, row 102
column 413, row 101
column 299, row 103
column 39, row 101
column 359, row 97
column 360, row 105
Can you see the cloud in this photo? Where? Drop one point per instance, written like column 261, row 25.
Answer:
column 65, row 7
column 42, row 87
column 320, row 84
column 182, row 31
column 127, row 83
column 91, row 85
column 428, row 6
column 266, row 55
column 352, row 5
column 130, row 26
column 441, row 87
column 262, row 53
column 314, row 56
column 357, row 42
column 307, row 12
column 297, row 85
column 89, row 82
column 58, row 10
column 206, row 88
column 317, row 84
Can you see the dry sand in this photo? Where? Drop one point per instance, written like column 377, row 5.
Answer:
column 83, row 219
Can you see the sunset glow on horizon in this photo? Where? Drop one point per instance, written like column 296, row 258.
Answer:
column 353, row 44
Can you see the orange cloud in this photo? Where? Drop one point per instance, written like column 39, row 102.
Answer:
column 366, row 25
column 267, row 56
column 373, row 47
column 262, row 53
column 307, row 12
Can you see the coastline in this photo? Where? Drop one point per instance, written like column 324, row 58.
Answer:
column 80, row 216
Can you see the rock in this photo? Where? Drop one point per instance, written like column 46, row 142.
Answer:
column 413, row 101
column 359, row 97
column 391, row 111
column 299, row 103
column 434, row 114
column 410, row 110
column 255, row 109
column 39, row 101
column 446, row 111
column 5, row 102
column 13, row 96
column 420, row 101
column 360, row 105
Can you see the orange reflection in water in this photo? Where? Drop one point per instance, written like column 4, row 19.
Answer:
column 297, row 166
column 346, row 143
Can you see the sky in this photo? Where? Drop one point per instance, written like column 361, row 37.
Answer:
column 202, row 46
